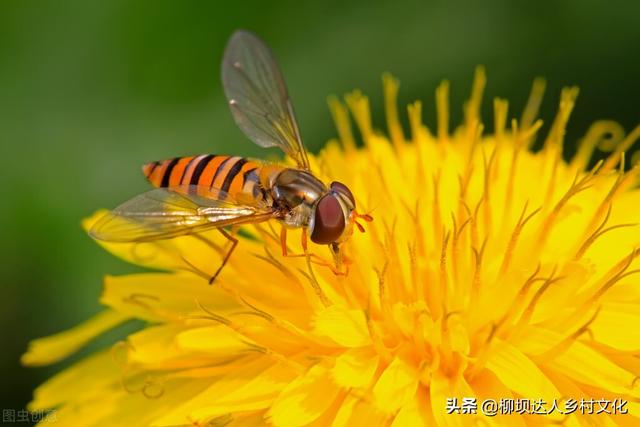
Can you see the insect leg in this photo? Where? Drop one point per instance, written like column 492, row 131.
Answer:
column 303, row 240
column 234, row 243
column 315, row 258
column 283, row 240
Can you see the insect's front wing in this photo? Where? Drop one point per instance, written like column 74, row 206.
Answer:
column 163, row 213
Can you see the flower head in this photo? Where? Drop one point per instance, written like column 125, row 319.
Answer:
column 490, row 271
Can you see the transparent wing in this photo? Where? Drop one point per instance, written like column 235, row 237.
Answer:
column 175, row 211
column 257, row 95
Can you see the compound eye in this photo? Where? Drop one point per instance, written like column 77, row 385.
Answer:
column 329, row 223
column 343, row 190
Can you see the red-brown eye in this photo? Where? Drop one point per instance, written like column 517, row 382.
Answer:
column 344, row 190
column 329, row 221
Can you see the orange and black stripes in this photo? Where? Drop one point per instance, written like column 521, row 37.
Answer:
column 229, row 174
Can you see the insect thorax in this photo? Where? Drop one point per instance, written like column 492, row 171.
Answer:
column 296, row 192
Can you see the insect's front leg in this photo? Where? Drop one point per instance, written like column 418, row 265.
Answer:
column 314, row 258
column 234, row 243
column 283, row 240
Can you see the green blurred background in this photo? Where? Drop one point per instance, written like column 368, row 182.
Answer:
column 90, row 90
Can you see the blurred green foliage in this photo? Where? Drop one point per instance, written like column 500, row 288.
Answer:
column 91, row 90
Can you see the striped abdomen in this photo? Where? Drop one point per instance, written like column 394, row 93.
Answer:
column 230, row 174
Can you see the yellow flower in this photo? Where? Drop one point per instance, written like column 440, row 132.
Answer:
column 490, row 271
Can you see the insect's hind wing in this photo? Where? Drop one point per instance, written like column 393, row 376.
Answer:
column 163, row 213
column 258, row 98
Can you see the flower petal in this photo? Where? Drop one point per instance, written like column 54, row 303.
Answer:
column 395, row 387
column 305, row 399
column 47, row 350
column 355, row 368
column 164, row 296
column 86, row 378
column 487, row 386
column 256, row 393
column 218, row 339
column 345, row 327
column 612, row 326
column 443, row 388
column 357, row 412
column 200, row 407
column 414, row 413
column 519, row 374
column 587, row 366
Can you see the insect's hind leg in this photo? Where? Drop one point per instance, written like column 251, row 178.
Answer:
column 314, row 258
column 234, row 243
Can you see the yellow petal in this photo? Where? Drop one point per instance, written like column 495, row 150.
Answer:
column 47, row 350
column 443, row 388
column 201, row 406
column 395, row 387
column 355, row 411
column 616, row 325
column 487, row 386
column 154, row 344
column 355, row 368
column 256, row 394
column 164, row 296
column 86, row 378
column 305, row 399
column 218, row 339
column 585, row 365
column 413, row 413
column 519, row 374
column 345, row 327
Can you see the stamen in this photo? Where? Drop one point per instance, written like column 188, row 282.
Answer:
column 576, row 187
column 390, row 88
column 211, row 315
column 530, row 111
column 514, row 309
column 257, row 311
column 477, row 272
column 442, row 110
column 487, row 192
column 472, row 106
column 556, row 134
column 599, row 232
column 381, row 288
column 563, row 345
column 437, row 219
column 359, row 106
column 340, row 116
column 500, row 108
column 614, row 157
column 311, row 277
column 360, row 227
column 528, row 311
column 602, row 133
column 191, row 268
column 526, row 135
column 137, row 299
column 483, row 355
column 414, row 111
column 522, row 221
column 444, row 282
column 270, row 259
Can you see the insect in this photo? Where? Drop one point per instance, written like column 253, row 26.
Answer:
column 199, row 193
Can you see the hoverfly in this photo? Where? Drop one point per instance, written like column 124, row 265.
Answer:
column 199, row 193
